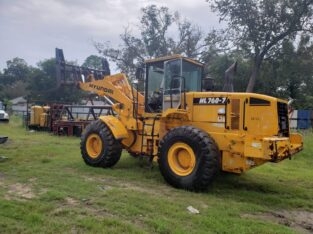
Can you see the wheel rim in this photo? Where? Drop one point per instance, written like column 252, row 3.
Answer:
column 181, row 159
column 94, row 145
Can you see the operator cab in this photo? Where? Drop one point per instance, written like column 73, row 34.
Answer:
column 168, row 79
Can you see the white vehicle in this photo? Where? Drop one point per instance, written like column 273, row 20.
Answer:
column 4, row 116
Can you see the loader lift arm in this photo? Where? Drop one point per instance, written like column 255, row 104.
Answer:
column 126, row 101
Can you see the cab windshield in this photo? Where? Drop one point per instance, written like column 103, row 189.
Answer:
column 170, row 77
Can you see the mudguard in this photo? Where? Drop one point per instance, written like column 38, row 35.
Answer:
column 115, row 125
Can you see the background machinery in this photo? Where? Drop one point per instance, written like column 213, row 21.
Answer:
column 192, row 134
column 4, row 116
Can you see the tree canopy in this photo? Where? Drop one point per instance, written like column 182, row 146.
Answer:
column 94, row 62
column 154, row 40
column 259, row 27
column 14, row 78
column 270, row 40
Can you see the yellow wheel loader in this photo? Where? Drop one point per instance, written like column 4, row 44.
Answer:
column 193, row 134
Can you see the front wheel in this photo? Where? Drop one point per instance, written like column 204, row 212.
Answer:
column 98, row 146
column 188, row 158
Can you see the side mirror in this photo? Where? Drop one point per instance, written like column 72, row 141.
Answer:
column 140, row 74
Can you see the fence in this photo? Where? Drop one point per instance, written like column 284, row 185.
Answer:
column 301, row 119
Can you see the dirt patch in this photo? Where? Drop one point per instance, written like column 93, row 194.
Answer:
column 71, row 201
column 300, row 221
column 68, row 203
column 19, row 191
column 75, row 206
column 2, row 179
column 145, row 189
column 32, row 180
column 89, row 179
column 106, row 184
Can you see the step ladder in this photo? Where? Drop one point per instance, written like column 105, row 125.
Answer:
column 149, row 142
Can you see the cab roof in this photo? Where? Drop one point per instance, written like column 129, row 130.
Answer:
column 171, row 57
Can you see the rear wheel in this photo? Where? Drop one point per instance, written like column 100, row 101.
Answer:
column 188, row 158
column 98, row 146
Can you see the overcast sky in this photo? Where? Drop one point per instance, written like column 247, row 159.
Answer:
column 32, row 29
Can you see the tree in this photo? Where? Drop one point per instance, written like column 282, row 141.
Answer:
column 17, row 69
column 94, row 62
column 13, row 80
column 154, row 40
column 155, row 23
column 128, row 56
column 295, row 72
column 219, row 63
column 190, row 40
column 288, row 73
column 43, row 85
column 259, row 27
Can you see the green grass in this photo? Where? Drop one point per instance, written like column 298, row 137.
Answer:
column 45, row 187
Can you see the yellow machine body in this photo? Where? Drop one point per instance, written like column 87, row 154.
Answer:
column 39, row 116
column 247, row 134
column 243, row 130
column 36, row 111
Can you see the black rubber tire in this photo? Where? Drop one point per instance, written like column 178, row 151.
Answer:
column 111, row 150
column 207, row 163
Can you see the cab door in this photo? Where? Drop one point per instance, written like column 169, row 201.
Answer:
column 233, row 113
column 172, row 84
